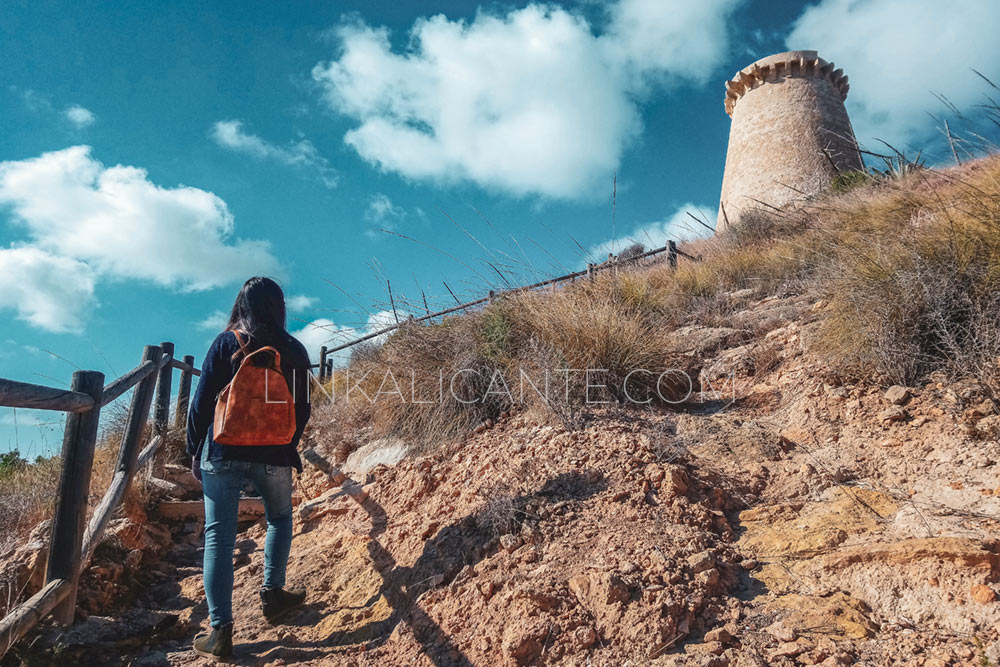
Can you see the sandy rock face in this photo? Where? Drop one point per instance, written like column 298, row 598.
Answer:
column 24, row 569
column 384, row 451
column 811, row 522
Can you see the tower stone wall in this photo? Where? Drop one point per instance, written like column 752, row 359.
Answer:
column 790, row 134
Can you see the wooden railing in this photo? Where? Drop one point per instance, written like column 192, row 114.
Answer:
column 614, row 263
column 73, row 540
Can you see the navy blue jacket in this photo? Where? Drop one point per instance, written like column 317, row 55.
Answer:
column 218, row 370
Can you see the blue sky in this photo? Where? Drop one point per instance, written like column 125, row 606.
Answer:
column 155, row 155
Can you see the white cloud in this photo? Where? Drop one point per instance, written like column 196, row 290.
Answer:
column 326, row 332
column 46, row 290
column 216, row 321
column 380, row 207
column 383, row 213
column 317, row 333
column 300, row 302
column 652, row 37
column 383, row 319
column 231, row 134
column 124, row 226
column 897, row 51
column 528, row 102
column 87, row 222
column 79, row 116
column 677, row 227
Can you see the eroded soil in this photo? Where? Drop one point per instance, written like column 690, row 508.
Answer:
column 810, row 522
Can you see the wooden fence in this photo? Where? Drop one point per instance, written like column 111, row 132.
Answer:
column 614, row 263
column 73, row 540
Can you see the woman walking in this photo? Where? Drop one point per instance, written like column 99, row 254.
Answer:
column 246, row 418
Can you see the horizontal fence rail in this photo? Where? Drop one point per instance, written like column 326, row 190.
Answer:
column 73, row 539
column 115, row 389
column 614, row 262
column 15, row 394
column 186, row 366
column 26, row 616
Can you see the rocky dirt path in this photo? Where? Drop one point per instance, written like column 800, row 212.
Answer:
column 810, row 522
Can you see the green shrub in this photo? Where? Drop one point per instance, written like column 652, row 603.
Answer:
column 849, row 180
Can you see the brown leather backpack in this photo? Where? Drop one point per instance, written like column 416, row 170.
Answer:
column 255, row 408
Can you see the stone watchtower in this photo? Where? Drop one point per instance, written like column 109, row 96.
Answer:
column 790, row 133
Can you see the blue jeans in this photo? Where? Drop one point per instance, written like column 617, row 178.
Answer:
column 222, row 482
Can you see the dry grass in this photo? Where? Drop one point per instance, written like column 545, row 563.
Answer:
column 502, row 510
column 528, row 349
column 909, row 267
column 913, row 277
column 403, row 384
column 27, row 494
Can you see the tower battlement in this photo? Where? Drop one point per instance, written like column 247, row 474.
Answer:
column 787, row 64
column 790, row 133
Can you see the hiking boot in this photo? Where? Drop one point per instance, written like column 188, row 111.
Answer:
column 276, row 602
column 218, row 644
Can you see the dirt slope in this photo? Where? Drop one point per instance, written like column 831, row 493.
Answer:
column 810, row 522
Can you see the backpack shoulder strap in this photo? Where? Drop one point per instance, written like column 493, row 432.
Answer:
column 242, row 344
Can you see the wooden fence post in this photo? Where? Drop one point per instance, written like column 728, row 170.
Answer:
column 329, row 369
column 672, row 254
column 491, row 296
column 161, row 408
column 322, row 364
column 138, row 413
column 183, row 395
column 590, row 271
column 161, row 411
column 79, row 440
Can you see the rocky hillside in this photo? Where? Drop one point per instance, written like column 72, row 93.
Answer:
column 803, row 508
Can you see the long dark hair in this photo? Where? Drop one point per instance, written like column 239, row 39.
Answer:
column 259, row 310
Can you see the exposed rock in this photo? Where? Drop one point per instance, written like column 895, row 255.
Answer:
column 384, row 451
column 524, row 644
column 181, row 475
column 892, row 414
column 788, row 650
column 897, row 395
column 332, row 502
column 700, row 562
column 702, row 341
column 983, row 594
column 585, row 636
column 24, row 570
column 510, row 542
column 720, row 635
column 144, row 537
column 782, row 631
column 961, row 551
column 838, row 614
column 785, row 529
